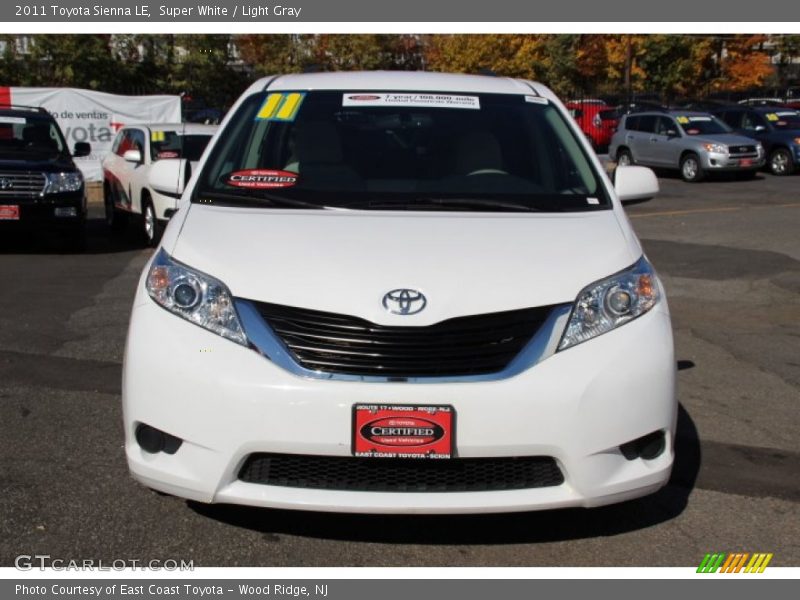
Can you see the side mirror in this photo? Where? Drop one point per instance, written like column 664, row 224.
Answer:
column 671, row 133
column 82, row 149
column 133, row 156
column 169, row 176
column 635, row 184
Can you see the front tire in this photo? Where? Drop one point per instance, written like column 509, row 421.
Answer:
column 625, row 158
column 116, row 220
column 151, row 228
column 780, row 162
column 691, row 171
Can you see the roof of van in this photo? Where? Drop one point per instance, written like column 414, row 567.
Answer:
column 396, row 81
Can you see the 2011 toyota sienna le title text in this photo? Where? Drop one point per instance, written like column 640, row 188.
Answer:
column 401, row 292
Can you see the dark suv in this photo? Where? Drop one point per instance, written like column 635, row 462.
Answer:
column 40, row 186
column 777, row 128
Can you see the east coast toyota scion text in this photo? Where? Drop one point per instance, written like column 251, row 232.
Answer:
column 401, row 292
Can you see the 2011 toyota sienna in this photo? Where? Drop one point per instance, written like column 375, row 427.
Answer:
column 400, row 293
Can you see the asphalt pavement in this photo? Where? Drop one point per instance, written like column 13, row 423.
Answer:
column 729, row 254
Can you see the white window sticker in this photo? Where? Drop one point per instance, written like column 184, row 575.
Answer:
column 592, row 201
column 403, row 99
column 694, row 119
column 536, row 99
column 13, row 120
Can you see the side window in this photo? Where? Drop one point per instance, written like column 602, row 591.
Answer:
column 751, row 121
column 647, row 123
column 115, row 144
column 632, row 123
column 123, row 143
column 664, row 125
column 137, row 140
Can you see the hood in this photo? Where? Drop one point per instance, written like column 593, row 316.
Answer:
column 729, row 139
column 37, row 163
column 345, row 261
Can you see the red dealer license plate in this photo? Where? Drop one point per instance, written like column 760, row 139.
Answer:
column 391, row 431
column 746, row 162
column 9, row 212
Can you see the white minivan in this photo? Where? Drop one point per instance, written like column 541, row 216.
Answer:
column 401, row 293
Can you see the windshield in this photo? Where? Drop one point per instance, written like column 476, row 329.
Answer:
column 172, row 144
column 784, row 119
column 378, row 150
column 702, row 125
column 30, row 138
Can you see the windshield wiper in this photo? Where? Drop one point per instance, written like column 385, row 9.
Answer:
column 450, row 204
column 247, row 197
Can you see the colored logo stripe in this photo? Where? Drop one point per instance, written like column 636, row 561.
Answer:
column 758, row 563
column 734, row 563
column 710, row 563
column 281, row 107
column 158, row 136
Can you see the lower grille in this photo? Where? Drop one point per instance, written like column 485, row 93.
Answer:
column 336, row 343
column 401, row 475
column 21, row 183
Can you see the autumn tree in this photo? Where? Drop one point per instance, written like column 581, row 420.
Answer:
column 504, row 54
column 743, row 63
column 276, row 53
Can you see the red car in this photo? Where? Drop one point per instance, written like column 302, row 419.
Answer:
column 597, row 121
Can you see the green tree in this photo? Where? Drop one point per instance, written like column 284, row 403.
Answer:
column 83, row 61
column 671, row 64
column 204, row 69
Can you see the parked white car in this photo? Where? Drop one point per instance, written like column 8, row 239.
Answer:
column 126, row 172
column 401, row 293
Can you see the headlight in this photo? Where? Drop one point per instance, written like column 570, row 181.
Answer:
column 759, row 148
column 611, row 302
column 797, row 141
column 194, row 296
column 63, row 182
column 718, row 148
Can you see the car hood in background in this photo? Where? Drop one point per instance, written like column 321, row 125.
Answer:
column 345, row 261
column 729, row 139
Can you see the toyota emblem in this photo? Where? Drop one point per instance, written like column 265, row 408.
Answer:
column 403, row 301
column 6, row 183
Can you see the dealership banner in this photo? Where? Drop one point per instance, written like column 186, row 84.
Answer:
column 94, row 117
column 296, row 11
column 388, row 589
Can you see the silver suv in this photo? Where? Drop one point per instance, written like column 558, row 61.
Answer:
column 695, row 143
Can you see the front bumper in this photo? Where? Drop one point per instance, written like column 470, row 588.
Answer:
column 163, row 204
column 55, row 210
column 226, row 402
column 713, row 161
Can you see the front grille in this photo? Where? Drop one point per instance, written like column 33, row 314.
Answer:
column 740, row 151
column 335, row 343
column 26, row 184
column 401, row 475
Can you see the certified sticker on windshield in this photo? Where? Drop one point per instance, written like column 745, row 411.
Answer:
column 398, row 99
column 261, row 179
